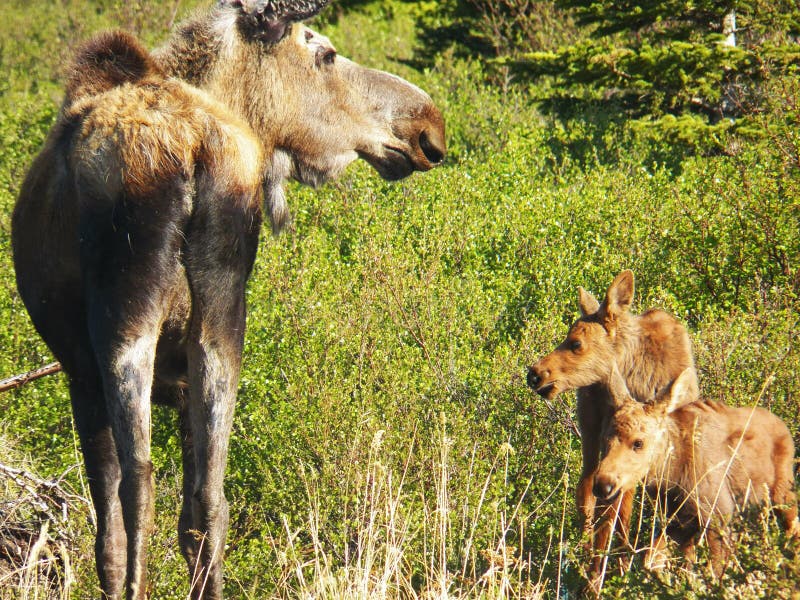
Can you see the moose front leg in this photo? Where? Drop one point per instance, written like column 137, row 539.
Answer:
column 215, row 375
column 221, row 242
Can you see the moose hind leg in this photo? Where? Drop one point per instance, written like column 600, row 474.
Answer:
column 103, row 472
column 130, row 264
column 127, row 387
column 64, row 328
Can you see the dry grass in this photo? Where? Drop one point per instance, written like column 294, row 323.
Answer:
column 383, row 551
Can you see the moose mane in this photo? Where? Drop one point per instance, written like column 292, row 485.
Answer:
column 108, row 60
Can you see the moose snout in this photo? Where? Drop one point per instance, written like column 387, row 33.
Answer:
column 538, row 376
column 423, row 137
column 534, row 379
column 432, row 145
column 603, row 488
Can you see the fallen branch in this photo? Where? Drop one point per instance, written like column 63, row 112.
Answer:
column 20, row 380
column 36, row 540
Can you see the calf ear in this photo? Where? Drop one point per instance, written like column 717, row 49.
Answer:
column 684, row 390
column 618, row 298
column 587, row 303
column 618, row 389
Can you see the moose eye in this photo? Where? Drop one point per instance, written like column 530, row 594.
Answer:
column 638, row 445
column 575, row 345
column 325, row 56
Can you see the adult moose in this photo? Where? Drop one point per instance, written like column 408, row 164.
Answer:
column 650, row 350
column 137, row 225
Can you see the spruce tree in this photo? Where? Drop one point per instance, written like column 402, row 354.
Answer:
column 688, row 65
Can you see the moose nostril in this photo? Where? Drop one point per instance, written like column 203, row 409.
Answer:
column 434, row 154
column 533, row 379
column 602, row 489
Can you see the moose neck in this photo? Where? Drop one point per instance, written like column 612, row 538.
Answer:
column 192, row 52
column 209, row 53
column 640, row 366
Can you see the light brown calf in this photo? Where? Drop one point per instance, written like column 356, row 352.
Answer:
column 650, row 350
column 702, row 461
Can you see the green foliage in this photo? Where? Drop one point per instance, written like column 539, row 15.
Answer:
column 662, row 59
column 390, row 328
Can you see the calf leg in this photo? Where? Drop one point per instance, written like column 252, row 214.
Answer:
column 718, row 551
column 782, row 494
column 611, row 517
column 657, row 555
column 590, row 419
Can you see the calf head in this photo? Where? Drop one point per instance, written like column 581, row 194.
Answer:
column 590, row 349
column 635, row 439
column 316, row 111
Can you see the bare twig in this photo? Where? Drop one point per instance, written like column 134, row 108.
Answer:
column 20, row 380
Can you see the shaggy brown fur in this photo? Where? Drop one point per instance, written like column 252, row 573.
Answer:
column 702, row 461
column 650, row 350
column 137, row 226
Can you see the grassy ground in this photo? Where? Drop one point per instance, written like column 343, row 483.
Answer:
column 385, row 443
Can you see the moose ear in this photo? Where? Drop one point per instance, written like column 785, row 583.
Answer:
column 618, row 389
column 618, row 298
column 587, row 303
column 684, row 390
column 270, row 20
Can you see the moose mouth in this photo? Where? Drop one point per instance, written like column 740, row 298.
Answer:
column 548, row 390
column 394, row 164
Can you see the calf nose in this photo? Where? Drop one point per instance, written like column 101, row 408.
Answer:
column 602, row 488
column 533, row 378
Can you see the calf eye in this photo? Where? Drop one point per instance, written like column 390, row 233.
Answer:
column 638, row 445
column 575, row 345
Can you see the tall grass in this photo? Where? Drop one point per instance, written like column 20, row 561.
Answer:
column 393, row 551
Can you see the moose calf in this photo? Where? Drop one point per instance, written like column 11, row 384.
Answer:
column 700, row 460
column 651, row 350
